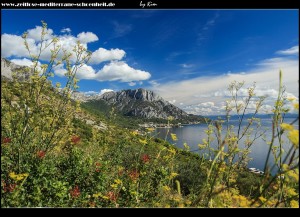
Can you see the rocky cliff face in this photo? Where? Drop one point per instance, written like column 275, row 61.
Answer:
column 8, row 68
column 83, row 97
column 142, row 103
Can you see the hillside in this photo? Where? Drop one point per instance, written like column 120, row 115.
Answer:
column 141, row 104
column 54, row 155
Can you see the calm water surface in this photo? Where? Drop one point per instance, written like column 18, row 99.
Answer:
column 193, row 135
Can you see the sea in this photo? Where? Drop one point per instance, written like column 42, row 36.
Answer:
column 193, row 135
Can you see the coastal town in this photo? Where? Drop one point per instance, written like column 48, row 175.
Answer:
column 166, row 125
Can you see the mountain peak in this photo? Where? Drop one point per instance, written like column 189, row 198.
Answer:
column 141, row 94
column 142, row 103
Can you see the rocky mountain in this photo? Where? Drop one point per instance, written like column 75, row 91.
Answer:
column 145, row 104
column 8, row 67
column 76, row 95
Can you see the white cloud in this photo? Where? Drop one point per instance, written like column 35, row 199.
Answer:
column 102, row 55
column 65, row 30
column 131, row 84
column 114, row 71
column 85, row 72
column 12, row 46
column 91, row 93
column 105, row 91
column 153, row 83
column 22, row 62
column 35, row 33
column 59, row 70
column 87, row 37
column 172, row 101
column 196, row 92
column 186, row 66
column 95, row 93
column 27, row 62
column 120, row 71
column 207, row 104
column 290, row 51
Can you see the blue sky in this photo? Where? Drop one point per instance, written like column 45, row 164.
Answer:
column 189, row 57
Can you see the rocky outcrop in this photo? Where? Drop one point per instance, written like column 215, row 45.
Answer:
column 76, row 95
column 142, row 103
column 8, row 68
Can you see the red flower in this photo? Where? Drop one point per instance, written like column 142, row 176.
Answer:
column 41, row 154
column 97, row 166
column 75, row 192
column 134, row 175
column 112, row 196
column 6, row 140
column 145, row 158
column 8, row 187
column 75, row 139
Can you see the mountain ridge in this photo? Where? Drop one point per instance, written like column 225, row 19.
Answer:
column 144, row 104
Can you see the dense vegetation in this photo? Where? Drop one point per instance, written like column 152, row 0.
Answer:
column 50, row 158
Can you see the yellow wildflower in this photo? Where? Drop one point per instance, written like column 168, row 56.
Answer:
column 188, row 202
column 286, row 126
column 134, row 133
column 173, row 175
column 243, row 203
column 291, row 98
column 114, row 186
column 157, row 205
column 181, row 205
column 58, row 85
column 97, row 195
column 186, row 146
column 271, row 203
column 18, row 177
column 105, row 197
column 133, row 192
column 118, row 181
column 166, row 188
column 294, row 137
column 143, row 173
column 172, row 151
column 201, row 146
column 294, row 174
column 262, row 199
column 174, row 137
column 296, row 106
column 144, row 142
column 150, row 129
column 291, row 192
column 294, row 204
column 177, row 198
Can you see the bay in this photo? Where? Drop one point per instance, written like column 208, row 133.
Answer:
column 192, row 135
